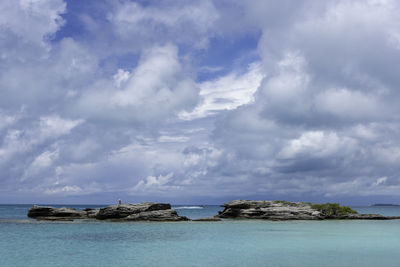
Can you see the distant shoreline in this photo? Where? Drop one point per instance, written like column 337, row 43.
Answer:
column 384, row 205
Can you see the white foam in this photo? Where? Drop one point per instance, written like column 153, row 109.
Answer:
column 188, row 207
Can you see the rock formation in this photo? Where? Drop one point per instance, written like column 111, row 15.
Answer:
column 91, row 213
column 237, row 209
column 51, row 213
column 157, row 215
column 284, row 210
column 145, row 211
column 124, row 210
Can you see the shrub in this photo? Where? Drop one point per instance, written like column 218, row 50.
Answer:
column 333, row 209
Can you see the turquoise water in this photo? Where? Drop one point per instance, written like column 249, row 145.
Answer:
column 24, row 242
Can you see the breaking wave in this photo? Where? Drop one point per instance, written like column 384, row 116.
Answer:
column 188, row 207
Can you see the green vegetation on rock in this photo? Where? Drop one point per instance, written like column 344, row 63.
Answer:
column 333, row 209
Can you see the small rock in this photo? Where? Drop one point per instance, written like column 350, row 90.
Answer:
column 157, row 215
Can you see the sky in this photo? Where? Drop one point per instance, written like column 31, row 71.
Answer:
column 199, row 102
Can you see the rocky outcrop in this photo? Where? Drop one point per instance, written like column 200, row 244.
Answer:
column 284, row 210
column 237, row 209
column 91, row 213
column 124, row 210
column 269, row 210
column 145, row 211
column 169, row 215
column 51, row 213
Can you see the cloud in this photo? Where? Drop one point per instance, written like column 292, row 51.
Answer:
column 188, row 101
column 380, row 181
column 176, row 20
column 351, row 104
column 62, row 123
column 312, row 128
column 54, row 126
column 29, row 140
column 40, row 165
column 314, row 144
column 64, row 190
column 117, row 29
column 7, row 120
column 155, row 183
column 18, row 17
column 165, row 138
column 226, row 92
column 155, row 90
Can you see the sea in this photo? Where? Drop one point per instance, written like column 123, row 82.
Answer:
column 26, row 242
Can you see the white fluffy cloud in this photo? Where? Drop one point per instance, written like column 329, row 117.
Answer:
column 153, row 183
column 152, row 100
column 315, row 144
column 156, row 89
column 226, row 93
column 19, row 16
column 54, row 126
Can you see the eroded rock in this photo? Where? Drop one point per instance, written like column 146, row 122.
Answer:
column 285, row 210
column 91, row 213
column 124, row 210
column 270, row 210
column 52, row 213
column 145, row 211
column 157, row 215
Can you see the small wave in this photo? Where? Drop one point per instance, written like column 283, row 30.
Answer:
column 188, row 208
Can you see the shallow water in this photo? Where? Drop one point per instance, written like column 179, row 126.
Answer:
column 25, row 242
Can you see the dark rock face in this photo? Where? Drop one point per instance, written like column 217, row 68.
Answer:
column 157, row 215
column 284, row 210
column 43, row 212
column 124, row 210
